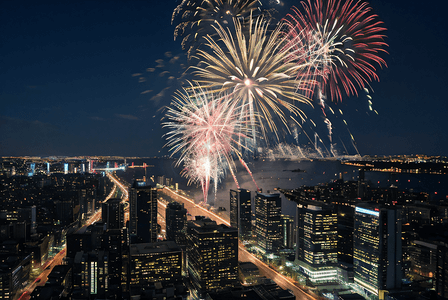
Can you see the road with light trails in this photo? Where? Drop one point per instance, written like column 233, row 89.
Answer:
column 59, row 257
column 283, row 281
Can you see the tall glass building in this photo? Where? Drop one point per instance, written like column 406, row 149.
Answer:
column 241, row 212
column 212, row 252
column 143, row 213
column 377, row 253
column 176, row 222
column 268, row 209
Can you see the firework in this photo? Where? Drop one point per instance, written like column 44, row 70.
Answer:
column 205, row 131
column 250, row 64
column 340, row 41
column 195, row 17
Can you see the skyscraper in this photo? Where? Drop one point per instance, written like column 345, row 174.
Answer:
column 115, row 241
column 113, row 213
column 155, row 262
column 267, row 221
column 176, row 222
column 377, row 249
column 241, row 212
column 317, row 235
column 143, row 212
column 212, row 255
column 287, row 227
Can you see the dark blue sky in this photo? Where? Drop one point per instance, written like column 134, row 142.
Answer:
column 89, row 78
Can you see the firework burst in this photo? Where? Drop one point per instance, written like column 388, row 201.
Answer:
column 340, row 42
column 195, row 17
column 250, row 64
column 205, row 131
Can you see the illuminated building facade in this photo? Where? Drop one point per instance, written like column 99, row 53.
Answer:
column 423, row 258
column 113, row 213
column 116, row 242
column 143, row 212
column 155, row 262
column 176, row 222
column 377, row 256
column 241, row 212
column 14, row 274
column 317, row 235
column 288, row 232
column 90, row 275
column 267, row 221
column 212, row 252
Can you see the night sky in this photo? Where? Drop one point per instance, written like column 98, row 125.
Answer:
column 91, row 77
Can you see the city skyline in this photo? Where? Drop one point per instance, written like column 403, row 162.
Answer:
column 71, row 80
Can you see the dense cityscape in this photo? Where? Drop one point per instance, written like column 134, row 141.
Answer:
column 223, row 150
column 79, row 228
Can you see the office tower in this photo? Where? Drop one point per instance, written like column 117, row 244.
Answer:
column 317, row 235
column 14, row 275
column 423, row 259
column 154, row 262
column 212, row 252
column 441, row 275
column 377, row 249
column 176, row 222
column 115, row 241
column 287, row 231
column 346, row 215
column 28, row 214
column 90, row 275
column 143, row 212
column 113, row 213
column 267, row 222
column 241, row 212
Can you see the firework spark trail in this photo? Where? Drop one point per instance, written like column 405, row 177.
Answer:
column 205, row 131
column 250, row 173
column 251, row 66
column 347, row 38
column 195, row 18
column 341, row 43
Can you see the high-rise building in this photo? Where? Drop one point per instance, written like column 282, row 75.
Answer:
column 176, row 222
column 241, row 212
column 155, row 262
column 267, row 221
column 90, row 276
column 441, row 275
column 377, row 256
column 116, row 242
column 212, row 252
column 14, row 275
column 113, row 213
column 317, row 235
column 288, row 232
column 143, row 212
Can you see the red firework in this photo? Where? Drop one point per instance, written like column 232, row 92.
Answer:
column 339, row 41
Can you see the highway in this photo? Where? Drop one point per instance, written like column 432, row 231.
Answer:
column 59, row 257
column 193, row 210
column 283, row 281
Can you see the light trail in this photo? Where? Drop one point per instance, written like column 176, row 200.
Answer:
column 57, row 259
column 276, row 276
column 198, row 206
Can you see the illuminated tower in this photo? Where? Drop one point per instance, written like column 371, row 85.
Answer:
column 267, row 221
column 241, row 212
column 287, row 226
column 143, row 212
column 155, row 262
column 212, row 252
column 113, row 213
column 176, row 222
column 317, row 243
column 377, row 256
